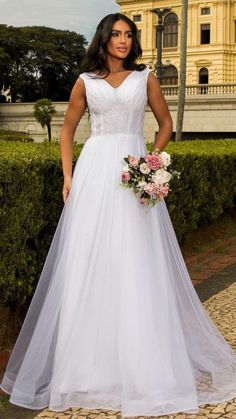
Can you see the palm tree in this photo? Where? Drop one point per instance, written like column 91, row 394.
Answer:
column 182, row 72
column 43, row 112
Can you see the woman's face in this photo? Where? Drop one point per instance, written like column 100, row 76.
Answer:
column 120, row 43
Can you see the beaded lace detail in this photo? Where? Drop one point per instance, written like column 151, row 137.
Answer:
column 117, row 109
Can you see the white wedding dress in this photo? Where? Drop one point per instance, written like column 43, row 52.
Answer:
column 115, row 321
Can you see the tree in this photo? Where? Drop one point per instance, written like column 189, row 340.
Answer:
column 14, row 47
column 4, row 62
column 43, row 112
column 182, row 72
column 43, row 62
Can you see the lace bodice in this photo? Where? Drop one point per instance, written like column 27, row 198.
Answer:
column 120, row 109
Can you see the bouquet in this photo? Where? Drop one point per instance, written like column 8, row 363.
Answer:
column 148, row 177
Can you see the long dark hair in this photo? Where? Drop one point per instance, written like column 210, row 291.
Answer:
column 96, row 57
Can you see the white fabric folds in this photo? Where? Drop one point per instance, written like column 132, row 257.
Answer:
column 115, row 321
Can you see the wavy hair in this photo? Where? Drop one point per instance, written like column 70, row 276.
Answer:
column 95, row 59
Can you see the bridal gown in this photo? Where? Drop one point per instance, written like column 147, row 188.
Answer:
column 115, row 322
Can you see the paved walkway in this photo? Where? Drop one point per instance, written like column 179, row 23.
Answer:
column 218, row 295
column 202, row 265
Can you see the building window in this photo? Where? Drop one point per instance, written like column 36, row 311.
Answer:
column 203, row 79
column 139, row 33
column 205, row 33
column 205, row 10
column 203, row 75
column 169, row 76
column 137, row 18
column 170, row 31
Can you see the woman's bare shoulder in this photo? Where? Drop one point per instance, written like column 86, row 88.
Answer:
column 152, row 79
column 79, row 87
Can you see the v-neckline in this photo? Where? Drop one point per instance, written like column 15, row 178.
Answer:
column 117, row 87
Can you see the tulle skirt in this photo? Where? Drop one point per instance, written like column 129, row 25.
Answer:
column 115, row 321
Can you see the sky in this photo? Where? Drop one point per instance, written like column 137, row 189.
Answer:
column 81, row 16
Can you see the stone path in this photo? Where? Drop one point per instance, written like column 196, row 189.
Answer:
column 218, row 295
column 211, row 412
column 203, row 265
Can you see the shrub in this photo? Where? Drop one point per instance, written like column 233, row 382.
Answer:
column 31, row 201
column 207, row 185
column 7, row 135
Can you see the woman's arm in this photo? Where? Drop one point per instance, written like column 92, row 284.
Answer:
column 161, row 112
column 75, row 110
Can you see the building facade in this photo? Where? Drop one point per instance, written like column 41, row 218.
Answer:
column 211, row 38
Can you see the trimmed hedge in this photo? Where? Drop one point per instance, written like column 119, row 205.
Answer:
column 7, row 135
column 207, row 185
column 31, row 201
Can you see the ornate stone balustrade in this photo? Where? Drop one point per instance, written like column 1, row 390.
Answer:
column 201, row 89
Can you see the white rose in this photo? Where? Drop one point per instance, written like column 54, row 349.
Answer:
column 142, row 183
column 161, row 176
column 165, row 157
column 144, row 168
column 126, row 168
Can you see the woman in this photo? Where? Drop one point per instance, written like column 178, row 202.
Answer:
column 116, row 61
column 115, row 321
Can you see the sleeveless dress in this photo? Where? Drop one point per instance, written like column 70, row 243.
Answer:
column 115, row 321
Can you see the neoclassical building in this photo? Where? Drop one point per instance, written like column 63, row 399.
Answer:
column 211, row 39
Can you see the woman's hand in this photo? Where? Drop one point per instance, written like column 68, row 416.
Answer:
column 66, row 188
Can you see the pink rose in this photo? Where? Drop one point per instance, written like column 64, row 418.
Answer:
column 144, row 201
column 150, row 188
column 153, row 161
column 125, row 177
column 133, row 161
column 164, row 190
